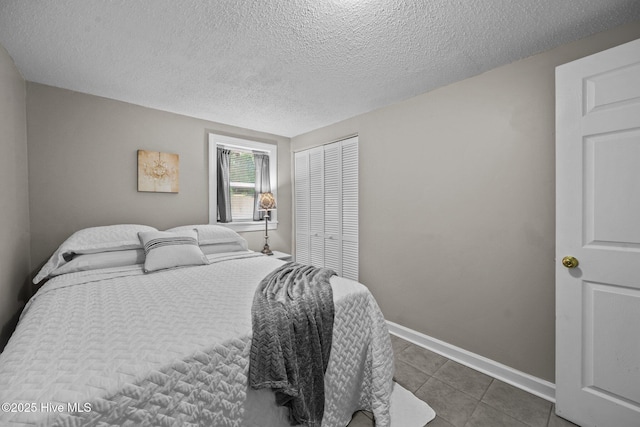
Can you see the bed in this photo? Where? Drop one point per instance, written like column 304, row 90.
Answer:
column 120, row 336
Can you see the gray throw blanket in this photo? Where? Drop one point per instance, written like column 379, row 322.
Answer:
column 292, row 331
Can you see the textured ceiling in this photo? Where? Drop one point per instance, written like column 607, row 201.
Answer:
column 288, row 66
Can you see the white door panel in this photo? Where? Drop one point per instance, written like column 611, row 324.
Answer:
column 612, row 178
column 302, row 206
column 598, row 222
column 611, row 88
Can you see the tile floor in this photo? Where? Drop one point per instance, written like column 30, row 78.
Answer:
column 463, row 397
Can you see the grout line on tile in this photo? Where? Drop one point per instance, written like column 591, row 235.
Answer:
column 485, row 392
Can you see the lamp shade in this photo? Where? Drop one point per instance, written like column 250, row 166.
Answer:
column 267, row 201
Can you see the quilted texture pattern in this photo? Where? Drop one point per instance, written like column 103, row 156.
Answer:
column 172, row 349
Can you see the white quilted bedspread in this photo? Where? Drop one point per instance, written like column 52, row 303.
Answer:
column 172, row 349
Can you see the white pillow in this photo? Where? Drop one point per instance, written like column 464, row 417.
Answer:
column 165, row 249
column 85, row 262
column 209, row 234
column 220, row 248
column 92, row 240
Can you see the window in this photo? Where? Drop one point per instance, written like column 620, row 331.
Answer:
column 244, row 156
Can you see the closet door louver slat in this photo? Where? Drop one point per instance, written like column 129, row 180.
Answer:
column 350, row 260
column 332, row 258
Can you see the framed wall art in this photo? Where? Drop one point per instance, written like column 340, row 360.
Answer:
column 158, row 172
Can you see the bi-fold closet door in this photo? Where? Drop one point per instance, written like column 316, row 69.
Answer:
column 326, row 207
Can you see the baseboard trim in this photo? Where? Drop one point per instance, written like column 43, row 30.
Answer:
column 522, row 380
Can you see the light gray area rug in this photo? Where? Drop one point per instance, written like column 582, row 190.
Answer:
column 407, row 410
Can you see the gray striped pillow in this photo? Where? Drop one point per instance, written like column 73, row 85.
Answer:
column 165, row 249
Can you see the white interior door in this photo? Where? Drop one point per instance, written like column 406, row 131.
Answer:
column 350, row 214
column 332, row 208
column 302, row 207
column 598, row 223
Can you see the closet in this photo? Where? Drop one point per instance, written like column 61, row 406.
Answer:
column 326, row 207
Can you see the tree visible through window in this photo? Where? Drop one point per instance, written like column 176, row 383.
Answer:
column 242, row 177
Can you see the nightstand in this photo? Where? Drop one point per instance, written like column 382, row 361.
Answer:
column 281, row 255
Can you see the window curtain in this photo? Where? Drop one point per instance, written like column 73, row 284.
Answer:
column 224, row 186
column 263, row 184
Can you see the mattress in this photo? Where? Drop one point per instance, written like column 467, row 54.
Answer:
column 118, row 347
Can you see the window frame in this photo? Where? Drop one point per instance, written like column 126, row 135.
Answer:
column 216, row 140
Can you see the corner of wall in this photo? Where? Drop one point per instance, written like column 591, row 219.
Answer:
column 14, row 214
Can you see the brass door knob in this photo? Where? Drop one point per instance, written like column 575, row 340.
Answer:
column 570, row 262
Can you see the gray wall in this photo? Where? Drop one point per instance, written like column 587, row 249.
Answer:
column 457, row 207
column 14, row 202
column 83, row 168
